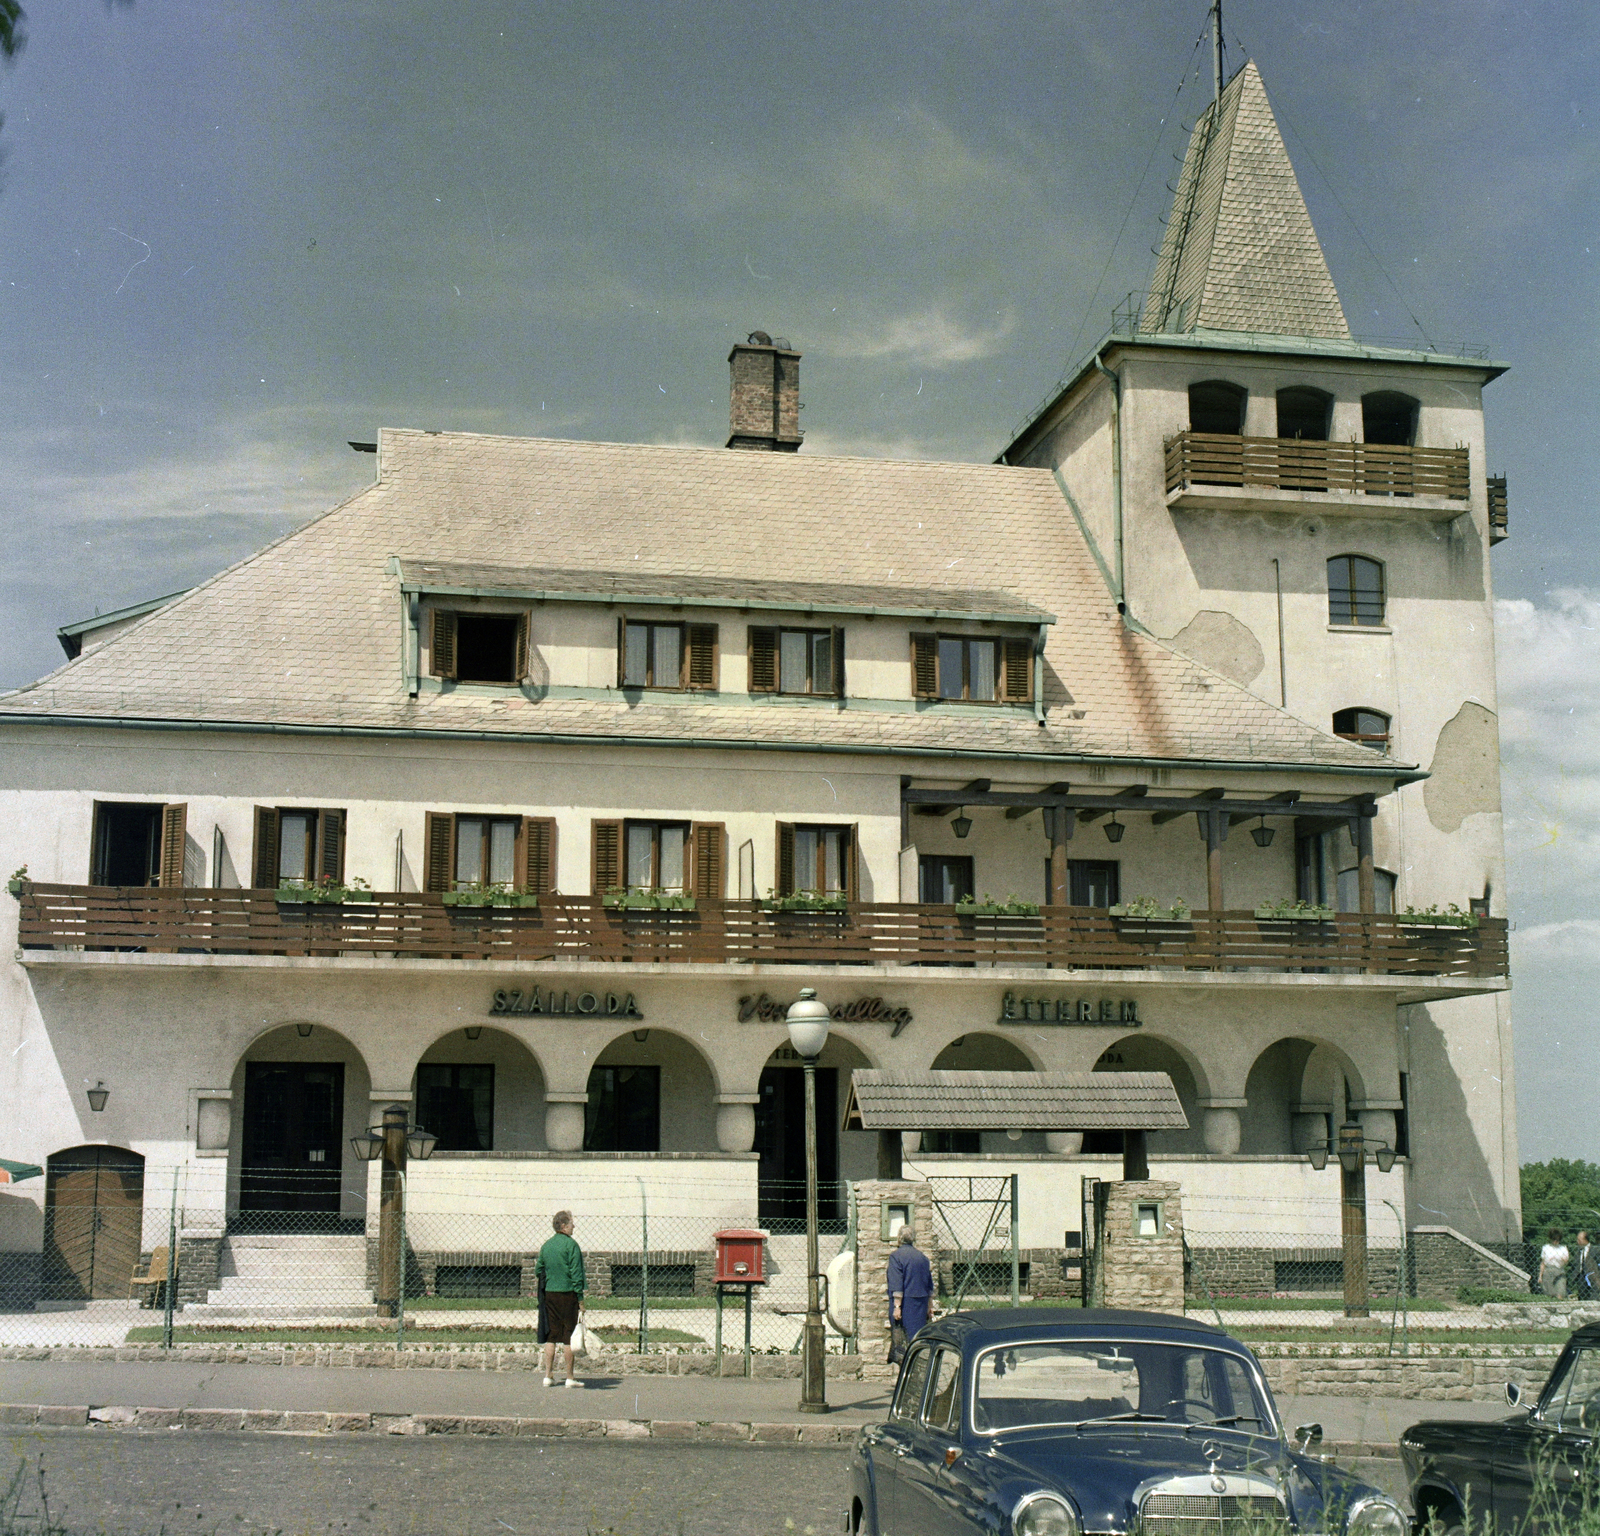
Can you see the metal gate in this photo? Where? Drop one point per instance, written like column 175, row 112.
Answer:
column 975, row 1222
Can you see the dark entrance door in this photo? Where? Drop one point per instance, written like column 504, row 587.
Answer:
column 94, row 1212
column 293, row 1139
column 781, row 1141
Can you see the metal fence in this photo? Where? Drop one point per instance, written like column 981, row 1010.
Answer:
column 116, row 1257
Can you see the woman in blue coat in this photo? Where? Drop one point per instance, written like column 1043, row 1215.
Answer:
column 910, row 1284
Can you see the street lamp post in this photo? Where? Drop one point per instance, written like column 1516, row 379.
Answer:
column 396, row 1140
column 1352, row 1150
column 808, row 1022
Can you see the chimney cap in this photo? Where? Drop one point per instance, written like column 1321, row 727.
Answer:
column 759, row 339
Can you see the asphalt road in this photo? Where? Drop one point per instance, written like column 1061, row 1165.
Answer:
column 142, row 1484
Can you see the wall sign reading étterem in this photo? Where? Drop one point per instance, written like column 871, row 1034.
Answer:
column 565, row 1005
column 1066, row 1010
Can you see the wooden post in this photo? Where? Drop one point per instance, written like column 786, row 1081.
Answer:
column 1364, row 875
column 1135, row 1158
column 391, row 1260
column 1063, row 819
column 889, row 1150
column 1216, row 829
column 1353, row 1218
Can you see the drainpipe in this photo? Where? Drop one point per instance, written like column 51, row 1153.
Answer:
column 1116, row 480
column 1038, row 675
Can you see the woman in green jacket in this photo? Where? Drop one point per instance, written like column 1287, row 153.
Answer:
column 560, row 1268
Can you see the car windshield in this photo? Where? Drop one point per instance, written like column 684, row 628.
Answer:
column 1079, row 1382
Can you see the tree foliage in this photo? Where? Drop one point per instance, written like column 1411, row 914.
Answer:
column 1564, row 1193
column 12, row 37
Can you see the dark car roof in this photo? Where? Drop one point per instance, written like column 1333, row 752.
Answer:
column 1000, row 1324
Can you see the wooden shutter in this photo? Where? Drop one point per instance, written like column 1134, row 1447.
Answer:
column 537, row 871
column 708, row 841
column 440, row 851
column 264, row 861
column 605, row 856
column 702, row 643
column 174, row 824
column 330, row 845
column 1016, row 670
column 784, row 882
column 520, row 660
column 838, row 662
column 852, row 862
column 622, row 652
column 442, row 653
column 763, row 659
column 925, row 666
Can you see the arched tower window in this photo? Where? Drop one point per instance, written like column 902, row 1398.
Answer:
column 1305, row 413
column 1217, row 406
column 1370, row 727
column 1355, row 590
column 1389, row 417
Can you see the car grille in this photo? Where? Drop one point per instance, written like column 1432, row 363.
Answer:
column 1200, row 1514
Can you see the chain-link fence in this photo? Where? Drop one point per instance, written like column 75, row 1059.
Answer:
column 122, row 1254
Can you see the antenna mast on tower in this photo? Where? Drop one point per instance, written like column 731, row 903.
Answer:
column 1216, row 47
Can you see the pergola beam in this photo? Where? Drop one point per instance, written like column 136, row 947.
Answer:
column 1161, row 808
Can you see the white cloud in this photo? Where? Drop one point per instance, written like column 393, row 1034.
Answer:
column 932, row 339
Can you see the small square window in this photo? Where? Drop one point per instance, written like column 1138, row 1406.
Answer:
column 896, row 1214
column 1147, row 1218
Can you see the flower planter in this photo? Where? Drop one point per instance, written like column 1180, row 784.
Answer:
column 805, row 904
column 320, row 896
column 997, row 909
column 652, row 903
column 480, row 900
column 17, row 887
column 1300, row 913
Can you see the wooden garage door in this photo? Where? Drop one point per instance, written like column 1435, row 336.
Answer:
column 94, row 1209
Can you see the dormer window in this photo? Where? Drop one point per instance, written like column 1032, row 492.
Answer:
column 473, row 647
column 796, row 661
column 671, row 656
column 1370, row 727
column 972, row 669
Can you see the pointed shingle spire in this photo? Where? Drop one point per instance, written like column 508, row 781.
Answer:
column 1240, row 253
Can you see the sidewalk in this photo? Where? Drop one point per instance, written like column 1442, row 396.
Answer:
column 377, row 1398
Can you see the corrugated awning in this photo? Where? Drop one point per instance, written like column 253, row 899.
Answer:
column 881, row 1100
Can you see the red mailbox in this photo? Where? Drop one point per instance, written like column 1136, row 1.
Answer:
column 741, row 1257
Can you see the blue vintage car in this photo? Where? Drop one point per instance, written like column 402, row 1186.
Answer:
column 1059, row 1423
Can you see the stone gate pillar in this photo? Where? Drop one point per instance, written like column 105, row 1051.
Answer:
column 1138, row 1246
column 878, row 1223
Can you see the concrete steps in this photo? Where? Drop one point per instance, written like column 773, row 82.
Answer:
column 289, row 1275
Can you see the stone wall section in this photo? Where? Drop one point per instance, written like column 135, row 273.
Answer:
column 1144, row 1274
column 872, row 1255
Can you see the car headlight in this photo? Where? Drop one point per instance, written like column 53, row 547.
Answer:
column 1044, row 1514
column 1377, row 1516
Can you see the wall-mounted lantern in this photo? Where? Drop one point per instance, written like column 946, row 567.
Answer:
column 1114, row 829
column 303, row 1030
column 98, row 1096
column 962, row 824
column 1263, row 834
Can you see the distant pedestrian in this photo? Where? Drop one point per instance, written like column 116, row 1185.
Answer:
column 560, row 1272
column 1553, row 1258
column 1588, row 1270
column 910, row 1283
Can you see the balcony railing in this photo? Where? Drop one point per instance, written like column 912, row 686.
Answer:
column 1499, row 510
column 1292, row 464
column 76, row 917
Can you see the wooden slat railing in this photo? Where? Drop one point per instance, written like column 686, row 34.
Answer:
column 1292, row 464
column 582, row 928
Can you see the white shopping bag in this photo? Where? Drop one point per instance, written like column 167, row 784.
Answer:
column 580, row 1338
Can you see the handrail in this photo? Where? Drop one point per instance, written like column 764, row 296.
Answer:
column 418, row 924
column 1294, row 464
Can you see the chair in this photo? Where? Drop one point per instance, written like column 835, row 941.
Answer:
column 149, row 1287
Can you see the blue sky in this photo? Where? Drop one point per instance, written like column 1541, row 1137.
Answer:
column 234, row 236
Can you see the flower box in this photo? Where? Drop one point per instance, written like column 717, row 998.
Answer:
column 1451, row 917
column 312, row 894
column 1144, row 908
column 1293, row 912
column 490, row 898
column 802, row 901
column 1015, row 907
column 648, row 901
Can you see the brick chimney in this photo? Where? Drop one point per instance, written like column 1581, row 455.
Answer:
column 764, row 411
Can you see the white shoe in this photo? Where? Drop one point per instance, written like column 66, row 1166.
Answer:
column 572, row 1381
column 548, row 1382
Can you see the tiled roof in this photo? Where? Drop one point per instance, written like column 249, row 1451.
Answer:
column 308, row 631
column 891, row 1100
column 721, row 591
column 1240, row 253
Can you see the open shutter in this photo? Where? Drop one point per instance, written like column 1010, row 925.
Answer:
column 442, row 652
column 174, row 823
column 838, row 662
column 708, row 841
column 1016, row 672
column 852, row 863
column 538, row 865
column 440, row 838
column 264, row 862
column 763, row 659
column 520, row 661
column 622, row 652
column 605, row 856
column 925, row 666
column 702, row 641
column 784, row 883
column 330, row 845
